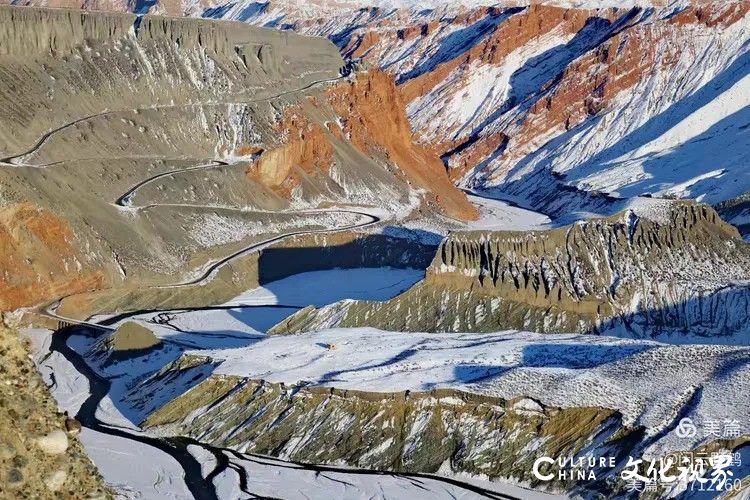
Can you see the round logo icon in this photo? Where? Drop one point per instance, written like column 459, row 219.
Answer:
column 686, row 428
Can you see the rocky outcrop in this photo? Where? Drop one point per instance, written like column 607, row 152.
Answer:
column 307, row 152
column 132, row 336
column 669, row 267
column 446, row 431
column 34, row 32
column 40, row 457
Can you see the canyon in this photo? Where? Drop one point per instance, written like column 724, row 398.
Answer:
column 237, row 116
column 570, row 107
column 383, row 249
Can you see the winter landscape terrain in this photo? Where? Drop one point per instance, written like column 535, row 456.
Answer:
column 375, row 249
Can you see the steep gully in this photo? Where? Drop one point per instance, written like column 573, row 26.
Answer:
column 177, row 447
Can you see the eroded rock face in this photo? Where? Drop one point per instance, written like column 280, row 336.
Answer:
column 439, row 430
column 54, row 64
column 543, row 100
column 663, row 270
column 375, row 121
column 554, row 102
column 40, row 258
column 307, row 152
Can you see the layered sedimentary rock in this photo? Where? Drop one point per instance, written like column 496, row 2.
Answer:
column 150, row 63
column 554, row 101
column 489, row 412
column 375, row 121
column 675, row 267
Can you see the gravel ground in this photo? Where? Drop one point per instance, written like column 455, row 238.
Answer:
column 40, row 454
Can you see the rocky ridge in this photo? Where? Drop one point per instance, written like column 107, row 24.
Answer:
column 492, row 420
column 552, row 102
column 677, row 267
column 445, row 431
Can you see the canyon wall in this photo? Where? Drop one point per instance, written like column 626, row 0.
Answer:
column 556, row 103
column 551, row 102
column 444, row 431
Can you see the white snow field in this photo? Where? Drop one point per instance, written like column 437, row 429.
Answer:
column 272, row 477
column 133, row 469
column 319, row 288
column 500, row 215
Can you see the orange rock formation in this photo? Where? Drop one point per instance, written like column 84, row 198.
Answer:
column 37, row 258
column 374, row 115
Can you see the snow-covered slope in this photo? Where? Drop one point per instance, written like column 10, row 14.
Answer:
column 562, row 98
column 321, row 398
column 466, row 405
column 153, row 474
column 552, row 101
column 558, row 370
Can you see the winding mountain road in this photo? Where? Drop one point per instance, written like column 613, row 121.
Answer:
column 202, row 487
column 126, row 201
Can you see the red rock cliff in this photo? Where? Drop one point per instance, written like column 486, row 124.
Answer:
column 375, row 121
